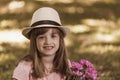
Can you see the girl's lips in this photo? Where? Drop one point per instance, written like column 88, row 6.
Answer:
column 48, row 47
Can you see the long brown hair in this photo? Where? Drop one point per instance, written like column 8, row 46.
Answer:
column 60, row 62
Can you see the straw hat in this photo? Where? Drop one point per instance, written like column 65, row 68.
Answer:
column 45, row 17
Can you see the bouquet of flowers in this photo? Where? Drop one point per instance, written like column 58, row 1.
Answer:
column 83, row 70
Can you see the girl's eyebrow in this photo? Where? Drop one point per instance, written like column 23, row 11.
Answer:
column 55, row 33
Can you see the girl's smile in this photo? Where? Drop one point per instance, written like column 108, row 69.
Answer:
column 48, row 47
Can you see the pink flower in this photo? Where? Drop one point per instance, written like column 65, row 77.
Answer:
column 91, row 73
column 77, row 65
column 84, row 69
column 86, row 63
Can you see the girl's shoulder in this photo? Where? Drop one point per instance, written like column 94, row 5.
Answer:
column 25, row 63
column 24, row 66
column 22, row 70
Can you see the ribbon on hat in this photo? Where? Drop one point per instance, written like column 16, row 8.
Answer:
column 45, row 22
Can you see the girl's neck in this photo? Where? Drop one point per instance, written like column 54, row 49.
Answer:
column 48, row 61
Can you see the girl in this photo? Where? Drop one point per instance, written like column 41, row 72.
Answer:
column 47, row 58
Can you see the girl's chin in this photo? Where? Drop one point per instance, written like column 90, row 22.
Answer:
column 48, row 54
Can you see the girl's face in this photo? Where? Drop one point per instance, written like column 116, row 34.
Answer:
column 48, row 43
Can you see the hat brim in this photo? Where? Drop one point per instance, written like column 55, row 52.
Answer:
column 26, row 31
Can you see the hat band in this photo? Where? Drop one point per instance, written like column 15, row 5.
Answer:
column 45, row 22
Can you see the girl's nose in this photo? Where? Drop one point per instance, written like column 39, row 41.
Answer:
column 47, row 40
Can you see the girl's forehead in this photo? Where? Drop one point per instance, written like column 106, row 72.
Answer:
column 54, row 29
column 40, row 31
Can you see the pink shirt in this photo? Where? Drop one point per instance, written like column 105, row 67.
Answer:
column 23, row 70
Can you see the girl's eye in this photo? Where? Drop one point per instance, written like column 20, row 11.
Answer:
column 41, row 37
column 54, row 35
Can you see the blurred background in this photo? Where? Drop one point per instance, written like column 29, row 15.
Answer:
column 95, row 32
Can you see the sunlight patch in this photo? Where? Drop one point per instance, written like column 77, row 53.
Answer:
column 12, row 36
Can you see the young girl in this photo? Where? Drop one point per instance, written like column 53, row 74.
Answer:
column 47, row 58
